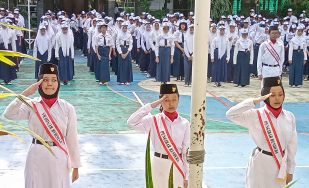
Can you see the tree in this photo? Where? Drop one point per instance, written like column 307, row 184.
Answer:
column 219, row 8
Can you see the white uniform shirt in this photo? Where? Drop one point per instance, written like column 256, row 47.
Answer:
column 64, row 115
column 161, row 43
column 215, row 45
column 293, row 19
column 99, row 41
column 188, row 45
column 87, row 24
column 266, row 57
column 35, row 49
column 153, row 38
column 120, row 42
column 242, row 47
column 178, row 36
column 179, row 130
column 302, row 47
column 245, row 115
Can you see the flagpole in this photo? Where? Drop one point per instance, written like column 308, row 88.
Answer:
column 198, row 99
column 29, row 24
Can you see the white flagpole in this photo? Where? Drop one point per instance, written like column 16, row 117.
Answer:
column 29, row 26
column 198, row 99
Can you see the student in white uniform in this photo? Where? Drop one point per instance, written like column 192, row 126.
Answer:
column 297, row 58
column 233, row 37
column 42, row 168
column 243, row 58
column 168, row 122
column 188, row 59
column 41, row 49
column 271, row 56
column 212, row 35
column 273, row 130
column 153, row 39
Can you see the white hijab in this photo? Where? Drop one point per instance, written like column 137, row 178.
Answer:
column 147, row 36
column 42, row 40
column 6, row 35
column 66, row 41
column 189, row 40
column 244, row 42
column 124, row 35
column 298, row 40
column 221, row 45
column 211, row 34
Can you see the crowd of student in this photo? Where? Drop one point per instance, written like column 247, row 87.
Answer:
column 162, row 49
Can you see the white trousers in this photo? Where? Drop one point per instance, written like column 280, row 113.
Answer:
column 160, row 173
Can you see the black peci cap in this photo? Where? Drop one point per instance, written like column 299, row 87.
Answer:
column 48, row 68
column 272, row 81
column 168, row 89
column 273, row 28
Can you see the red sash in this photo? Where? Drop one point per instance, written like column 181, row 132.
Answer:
column 169, row 145
column 273, row 52
column 50, row 126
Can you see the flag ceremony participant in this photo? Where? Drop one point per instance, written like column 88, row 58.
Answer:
column 146, row 46
column 124, row 44
column 170, row 133
column 55, row 121
column 165, row 47
column 243, row 58
column 41, row 49
column 233, row 37
column 220, row 55
column 179, row 37
column 8, row 37
column 273, row 130
column 152, row 71
column 297, row 58
column 306, row 67
column 104, row 45
column 212, row 35
column 64, row 52
column 271, row 56
column 188, row 59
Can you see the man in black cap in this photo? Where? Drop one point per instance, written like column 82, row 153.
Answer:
column 167, row 130
column 273, row 130
column 271, row 56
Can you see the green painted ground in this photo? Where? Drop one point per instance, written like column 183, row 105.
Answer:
column 99, row 109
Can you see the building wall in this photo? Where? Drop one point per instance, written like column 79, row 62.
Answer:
column 159, row 4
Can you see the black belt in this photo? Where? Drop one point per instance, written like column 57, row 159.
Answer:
column 246, row 50
column 269, row 65
column 266, row 152
column 257, row 44
column 165, row 46
column 298, row 50
column 50, row 143
column 163, row 156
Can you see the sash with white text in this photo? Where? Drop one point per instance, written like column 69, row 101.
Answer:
column 168, row 143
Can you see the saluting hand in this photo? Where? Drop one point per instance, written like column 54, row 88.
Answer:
column 75, row 175
column 158, row 102
column 32, row 89
column 262, row 98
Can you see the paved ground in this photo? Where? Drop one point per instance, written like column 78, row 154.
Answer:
column 113, row 154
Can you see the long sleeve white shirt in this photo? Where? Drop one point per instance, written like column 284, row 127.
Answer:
column 64, row 115
column 245, row 115
column 120, row 42
column 215, row 45
column 58, row 46
column 161, row 43
column 35, row 49
column 293, row 46
column 179, row 130
column 265, row 56
column 239, row 48
column 188, row 48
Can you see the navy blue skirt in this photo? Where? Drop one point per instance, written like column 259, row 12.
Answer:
column 65, row 67
column 125, row 71
column 296, row 68
column 164, row 65
column 145, row 61
column 219, row 68
column 306, row 66
column 209, row 67
column 85, row 41
column 102, row 69
column 188, row 70
column 253, row 68
column 7, row 72
column 114, row 63
column 178, row 65
column 230, row 66
column 134, row 49
column 152, row 70
column 92, row 59
column 80, row 38
column 43, row 59
column 242, row 70
column 53, row 59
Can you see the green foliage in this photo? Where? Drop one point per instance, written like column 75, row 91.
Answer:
column 158, row 14
column 146, row 5
column 149, row 183
column 297, row 8
column 128, row 10
column 290, row 185
column 219, row 8
column 171, row 177
column 268, row 14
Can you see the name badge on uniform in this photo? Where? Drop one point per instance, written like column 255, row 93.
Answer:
column 170, row 41
column 128, row 42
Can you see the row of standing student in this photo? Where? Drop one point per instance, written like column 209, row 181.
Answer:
column 232, row 59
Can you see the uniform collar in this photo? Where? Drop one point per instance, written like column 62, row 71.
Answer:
column 166, row 118
column 39, row 99
column 269, row 112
